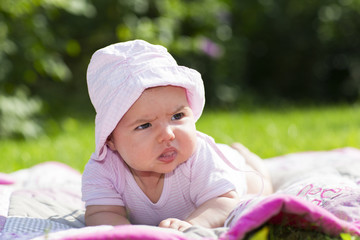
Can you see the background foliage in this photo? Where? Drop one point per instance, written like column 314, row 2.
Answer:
column 247, row 51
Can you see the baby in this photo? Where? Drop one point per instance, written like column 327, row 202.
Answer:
column 151, row 166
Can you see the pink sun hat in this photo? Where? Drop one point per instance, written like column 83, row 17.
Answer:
column 119, row 73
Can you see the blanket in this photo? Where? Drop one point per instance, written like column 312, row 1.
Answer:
column 313, row 190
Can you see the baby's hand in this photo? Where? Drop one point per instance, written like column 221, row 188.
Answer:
column 175, row 224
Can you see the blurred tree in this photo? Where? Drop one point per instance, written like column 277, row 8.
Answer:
column 46, row 46
column 296, row 49
column 31, row 54
column 270, row 48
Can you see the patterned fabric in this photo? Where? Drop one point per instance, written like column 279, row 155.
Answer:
column 314, row 190
column 42, row 199
column 34, row 226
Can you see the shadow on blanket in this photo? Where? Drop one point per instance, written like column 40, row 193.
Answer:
column 314, row 190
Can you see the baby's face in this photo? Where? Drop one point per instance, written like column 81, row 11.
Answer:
column 157, row 133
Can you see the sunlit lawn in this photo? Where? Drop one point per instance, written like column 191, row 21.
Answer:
column 272, row 132
column 267, row 132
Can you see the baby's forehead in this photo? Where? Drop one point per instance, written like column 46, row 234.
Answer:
column 169, row 93
column 160, row 91
column 166, row 100
column 164, row 87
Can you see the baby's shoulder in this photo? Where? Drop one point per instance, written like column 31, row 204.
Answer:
column 207, row 149
column 217, row 153
column 111, row 165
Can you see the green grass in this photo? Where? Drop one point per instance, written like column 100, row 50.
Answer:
column 270, row 132
column 267, row 132
column 70, row 141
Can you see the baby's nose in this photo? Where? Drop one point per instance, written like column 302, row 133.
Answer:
column 166, row 134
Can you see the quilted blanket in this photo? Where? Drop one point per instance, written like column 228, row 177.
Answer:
column 314, row 190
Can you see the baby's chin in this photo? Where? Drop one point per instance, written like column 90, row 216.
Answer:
column 169, row 169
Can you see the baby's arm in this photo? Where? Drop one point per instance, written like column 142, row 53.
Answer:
column 210, row 214
column 105, row 215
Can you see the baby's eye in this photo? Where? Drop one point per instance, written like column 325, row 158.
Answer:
column 177, row 116
column 143, row 126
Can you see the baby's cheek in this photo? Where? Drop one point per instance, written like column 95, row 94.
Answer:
column 192, row 143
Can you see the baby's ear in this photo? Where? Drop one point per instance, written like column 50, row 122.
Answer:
column 110, row 142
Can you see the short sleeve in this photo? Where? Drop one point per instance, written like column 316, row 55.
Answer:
column 211, row 175
column 103, row 181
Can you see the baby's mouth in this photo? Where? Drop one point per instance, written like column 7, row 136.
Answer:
column 168, row 155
